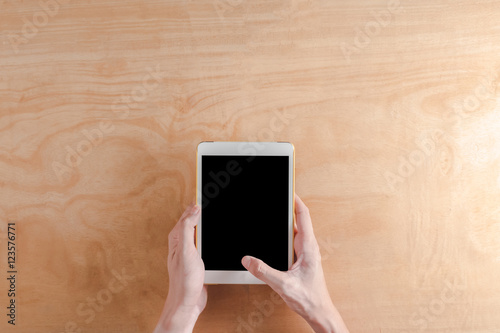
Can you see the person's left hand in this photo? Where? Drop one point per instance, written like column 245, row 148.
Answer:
column 187, row 296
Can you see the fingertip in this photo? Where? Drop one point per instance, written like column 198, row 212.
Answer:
column 245, row 261
column 298, row 200
column 192, row 219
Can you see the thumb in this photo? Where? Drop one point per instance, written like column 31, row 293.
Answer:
column 263, row 272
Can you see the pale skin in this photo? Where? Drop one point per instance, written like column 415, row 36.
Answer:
column 302, row 287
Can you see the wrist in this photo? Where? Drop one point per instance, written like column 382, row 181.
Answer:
column 326, row 320
column 322, row 325
column 321, row 321
column 177, row 319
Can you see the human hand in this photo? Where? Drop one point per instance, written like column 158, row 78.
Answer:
column 303, row 286
column 187, row 296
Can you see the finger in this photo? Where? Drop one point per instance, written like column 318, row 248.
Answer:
column 303, row 218
column 173, row 240
column 187, row 211
column 263, row 272
column 185, row 214
column 188, row 224
column 173, row 236
column 202, row 302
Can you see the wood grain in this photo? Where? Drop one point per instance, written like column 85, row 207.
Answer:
column 392, row 107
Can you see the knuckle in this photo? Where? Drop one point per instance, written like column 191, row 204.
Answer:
column 290, row 288
column 304, row 210
column 173, row 237
column 286, row 284
column 314, row 262
column 184, row 225
column 185, row 222
column 258, row 268
column 312, row 258
column 318, row 257
column 311, row 246
column 316, row 249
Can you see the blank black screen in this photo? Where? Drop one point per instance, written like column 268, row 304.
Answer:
column 244, row 210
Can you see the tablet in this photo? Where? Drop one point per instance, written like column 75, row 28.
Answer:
column 245, row 191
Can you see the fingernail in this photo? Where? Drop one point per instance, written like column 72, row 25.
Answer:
column 245, row 261
column 195, row 209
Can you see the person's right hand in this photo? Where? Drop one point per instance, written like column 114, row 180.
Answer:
column 303, row 286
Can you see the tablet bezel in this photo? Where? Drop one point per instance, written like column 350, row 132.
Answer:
column 253, row 149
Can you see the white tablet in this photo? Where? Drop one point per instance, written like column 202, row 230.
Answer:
column 246, row 194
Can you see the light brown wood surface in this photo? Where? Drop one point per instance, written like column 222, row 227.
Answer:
column 393, row 108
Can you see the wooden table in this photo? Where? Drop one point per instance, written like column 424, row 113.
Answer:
column 392, row 107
